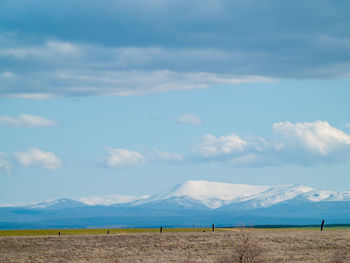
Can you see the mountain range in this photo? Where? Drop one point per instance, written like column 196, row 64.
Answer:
column 192, row 203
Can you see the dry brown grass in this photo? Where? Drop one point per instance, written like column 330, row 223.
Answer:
column 277, row 246
column 340, row 256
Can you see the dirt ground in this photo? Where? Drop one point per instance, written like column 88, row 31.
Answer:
column 276, row 246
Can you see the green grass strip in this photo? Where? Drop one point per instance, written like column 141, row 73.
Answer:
column 51, row 232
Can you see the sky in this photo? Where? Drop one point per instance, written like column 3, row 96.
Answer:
column 106, row 101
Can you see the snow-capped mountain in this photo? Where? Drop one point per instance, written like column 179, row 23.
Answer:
column 57, row 204
column 210, row 194
column 323, row 195
column 216, row 195
column 188, row 203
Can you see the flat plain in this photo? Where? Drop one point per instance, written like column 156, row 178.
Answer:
column 277, row 245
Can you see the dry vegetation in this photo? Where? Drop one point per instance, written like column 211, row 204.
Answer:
column 246, row 246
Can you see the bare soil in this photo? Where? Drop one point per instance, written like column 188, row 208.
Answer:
column 277, row 246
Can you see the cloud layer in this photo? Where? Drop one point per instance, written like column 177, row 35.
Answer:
column 66, row 69
column 139, row 47
column 306, row 143
column 25, row 120
column 38, row 158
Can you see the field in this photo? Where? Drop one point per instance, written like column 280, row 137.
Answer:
column 174, row 245
column 40, row 232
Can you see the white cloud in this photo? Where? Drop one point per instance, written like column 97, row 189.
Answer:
column 190, row 119
column 211, row 146
column 7, row 74
column 304, row 143
column 38, row 158
column 30, row 96
column 247, row 159
column 4, row 164
column 316, row 137
column 60, row 47
column 49, row 50
column 26, row 121
column 168, row 156
column 121, row 158
column 109, row 199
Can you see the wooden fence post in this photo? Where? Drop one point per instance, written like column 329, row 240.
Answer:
column 322, row 225
column 213, row 227
column 161, row 229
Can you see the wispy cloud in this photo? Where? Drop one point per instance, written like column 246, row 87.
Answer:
column 50, row 50
column 26, row 120
column 122, row 158
column 190, row 119
column 306, row 143
column 167, row 156
column 38, row 158
column 30, row 96
column 4, row 163
column 211, row 146
column 7, row 75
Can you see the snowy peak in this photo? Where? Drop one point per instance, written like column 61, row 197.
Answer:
column 57, row 204
column 211, row 194
column 277, row 194
column 324, row 195
column 223, row 191
column 215, row 195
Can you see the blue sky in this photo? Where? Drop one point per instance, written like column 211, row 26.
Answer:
column 131, row 97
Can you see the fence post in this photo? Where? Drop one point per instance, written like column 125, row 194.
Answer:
column 59, row 233
column 108, row 232
column 213, row 228
column 322, row 225
column 161, row 229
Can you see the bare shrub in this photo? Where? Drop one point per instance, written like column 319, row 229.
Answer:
column 340, row 256
column 245, row 250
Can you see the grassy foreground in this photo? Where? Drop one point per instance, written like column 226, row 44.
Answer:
column 271, row 245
